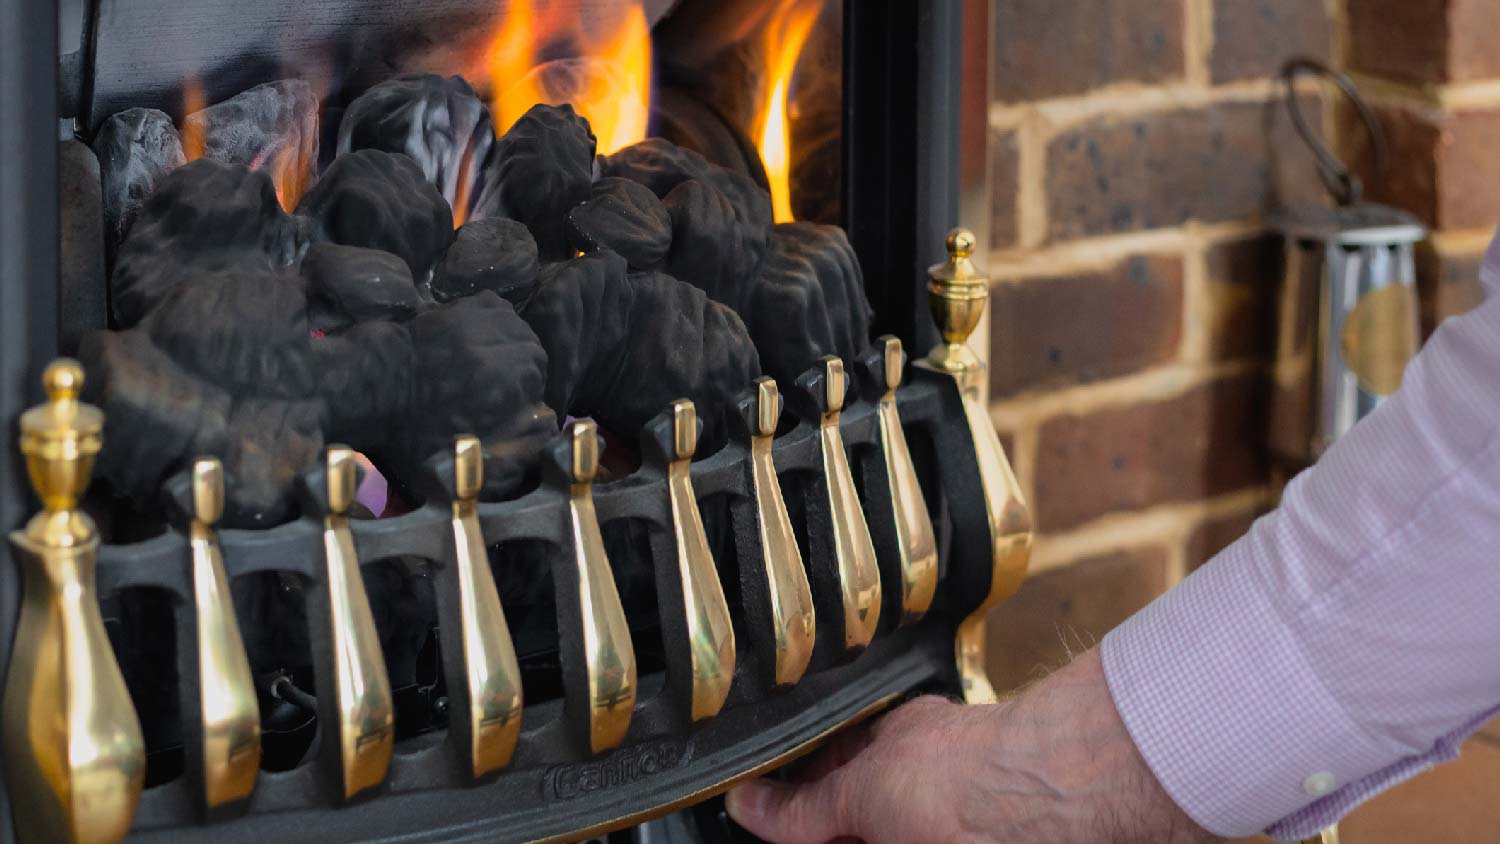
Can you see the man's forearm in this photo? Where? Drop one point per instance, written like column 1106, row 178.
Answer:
column 1349, row 639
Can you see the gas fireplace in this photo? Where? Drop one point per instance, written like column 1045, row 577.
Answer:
column 480, row 420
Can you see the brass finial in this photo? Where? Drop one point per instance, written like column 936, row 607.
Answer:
column 61, row 438
column 957, row 293
column 468, row 467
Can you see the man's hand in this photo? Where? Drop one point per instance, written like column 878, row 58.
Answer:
column 1053, row 766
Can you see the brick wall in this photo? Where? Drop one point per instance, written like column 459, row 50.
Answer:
column 1432, row 70
column 1135, row 147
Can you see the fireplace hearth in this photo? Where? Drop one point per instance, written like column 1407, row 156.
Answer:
column 469, row 467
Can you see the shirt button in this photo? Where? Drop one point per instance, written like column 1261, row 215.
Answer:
column 1319, row 784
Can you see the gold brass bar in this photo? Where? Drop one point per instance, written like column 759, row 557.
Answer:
column 958, row 294
column 364, row 709
column 226, row 692
column 709, row 632
column 918, row 562
column 1327, row 836
column 491, row 672
column 75, row 760
column 859, row 576
column 793, row 619
column 609, row 655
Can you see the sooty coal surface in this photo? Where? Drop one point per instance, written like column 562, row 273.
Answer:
column 439, row 122
column 381, row 200
column 626, row 218
column 495, row 254
column 539, row 169
column 136, row 149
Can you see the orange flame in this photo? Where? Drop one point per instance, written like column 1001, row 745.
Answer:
column 785, row 34
column 192, row 131
column 280, row 163
column 608, row 81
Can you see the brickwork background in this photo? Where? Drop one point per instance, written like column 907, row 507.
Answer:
column 1136, row 146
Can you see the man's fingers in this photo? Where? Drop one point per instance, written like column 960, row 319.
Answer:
column 783, row 813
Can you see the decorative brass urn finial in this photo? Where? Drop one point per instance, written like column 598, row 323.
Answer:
column 74, row 757
column 957, row 293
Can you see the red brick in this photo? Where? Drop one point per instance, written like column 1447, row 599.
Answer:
column 1004, row 184
column 1215, row 534
column 1471, row 48
column 1204, row 442
column 1400, row 39
column 1254, row 38
column 1220, row 162
column 1447, row 282
column 1046, row 48
column 1469, row 170
column 1412, row 137
column 1062, row 612
column 1244, row 279
column 1443, row 166
column 1085, row 326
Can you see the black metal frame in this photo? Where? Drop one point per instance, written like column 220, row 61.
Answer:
column 901, row 160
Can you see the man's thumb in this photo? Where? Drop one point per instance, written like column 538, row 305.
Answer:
column 783, row 813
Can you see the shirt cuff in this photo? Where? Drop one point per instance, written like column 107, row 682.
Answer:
column 1219, row 698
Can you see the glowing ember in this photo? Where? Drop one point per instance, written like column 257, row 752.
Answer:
column 606, row 74
column 785, row 34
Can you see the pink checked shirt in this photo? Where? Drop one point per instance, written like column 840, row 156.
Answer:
column 1351, row 639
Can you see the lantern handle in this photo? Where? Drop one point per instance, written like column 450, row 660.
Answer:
column 1343, row 184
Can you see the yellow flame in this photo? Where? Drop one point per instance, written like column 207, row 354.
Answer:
column 785, row 34
column 612, row 92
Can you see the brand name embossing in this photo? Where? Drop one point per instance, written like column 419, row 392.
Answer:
column 621, row 768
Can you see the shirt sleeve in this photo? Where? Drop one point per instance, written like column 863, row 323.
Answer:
column 1352, row 637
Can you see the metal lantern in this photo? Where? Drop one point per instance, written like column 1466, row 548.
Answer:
column 1349, row 316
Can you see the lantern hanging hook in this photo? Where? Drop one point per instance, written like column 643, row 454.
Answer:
column 1343, row 184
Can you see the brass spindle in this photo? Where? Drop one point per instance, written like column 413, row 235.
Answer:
column 226, row 692
column 490, row 695
column 361, row 722
column 693, row 579
column 608, row 653
column 793, row 618
column 958, row 293
column 854, row 552
column 916, row 543
column 75, row 761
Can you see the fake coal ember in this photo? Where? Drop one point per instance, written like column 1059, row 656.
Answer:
column 626, row 218
column 807, row 301
column 622, row 347
column 351, row 284
column 539, row 170
column 381, row 200
column 496, row 254
column 440, row 123
column 576, row 286
column 204, row 216
column 136, row 149
column 271, row 127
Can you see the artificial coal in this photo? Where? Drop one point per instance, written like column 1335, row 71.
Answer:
column 626, row 218
column 381, row 200
column 438, row 121
column 807, row 301
column 496, row 254
column 136, row 148
column 620, row 347
column 271, row 127
column 203, row 216
column 538, row 170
